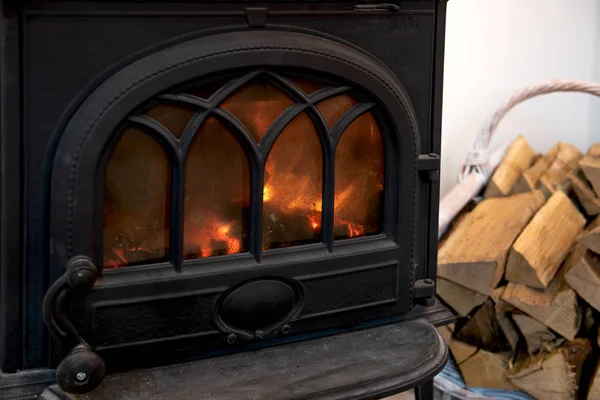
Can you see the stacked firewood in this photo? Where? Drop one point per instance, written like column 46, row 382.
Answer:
column 521, row 270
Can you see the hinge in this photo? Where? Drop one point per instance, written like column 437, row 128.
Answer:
column 429, row 166
column 424, row 291
column 257, row 16
column 375, row 8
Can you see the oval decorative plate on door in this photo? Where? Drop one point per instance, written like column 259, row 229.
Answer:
column 259, row 308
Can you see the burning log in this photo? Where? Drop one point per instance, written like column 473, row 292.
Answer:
column 474, row 255
column 518, row 158
column 282, row 229
column 540, row 249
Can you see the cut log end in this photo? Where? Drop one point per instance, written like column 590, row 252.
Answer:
column 518, row 158
column 538, row 252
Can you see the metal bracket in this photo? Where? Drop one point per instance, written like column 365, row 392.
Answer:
column 82, row 370
column 429, row 166
column 257, row 16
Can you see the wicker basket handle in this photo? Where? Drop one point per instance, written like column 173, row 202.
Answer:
column 480, row 163
column 478, row 158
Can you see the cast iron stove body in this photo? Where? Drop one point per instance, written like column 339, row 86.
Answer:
column 183, row 179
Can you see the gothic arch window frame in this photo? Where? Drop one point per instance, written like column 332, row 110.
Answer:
column 92, row 127
column 255, row 153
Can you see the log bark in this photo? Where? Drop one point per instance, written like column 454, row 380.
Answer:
column 540, row 249
column 518, row 158
column 482, row 330
column 591, row 237
column 474, row 256
column 534, row 332
column 459, row 298
column 585, row 193
column 530, row 177
column 590, row 164
column 556, row 307
column 554, row 375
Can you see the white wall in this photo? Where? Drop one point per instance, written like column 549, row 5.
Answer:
column 493, row 47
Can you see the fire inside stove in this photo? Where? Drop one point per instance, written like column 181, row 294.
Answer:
column 140, row 180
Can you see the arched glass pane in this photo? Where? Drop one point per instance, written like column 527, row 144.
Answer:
column 293, row 187
column 137, row 186
column 359, row 176
column 257, row 105
column 334, row 107
column 217, row 194
column 172, row 117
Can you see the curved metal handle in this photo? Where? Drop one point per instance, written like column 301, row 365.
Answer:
column 82, row 370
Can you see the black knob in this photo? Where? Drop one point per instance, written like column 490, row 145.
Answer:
column 82, row 272
column 81, row 371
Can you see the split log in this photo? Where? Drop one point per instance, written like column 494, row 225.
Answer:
column 446, row 332
column 474, row 256
column 540, row 249
column 518, row 158
column 554, row 375
column 594, row 150
column 590, row 164
column 585, row 193
column 591, row 237
column 456, row 222
column 509, row 329
column 482, row 330
column 479, row 368
column 584, row 277
column 459, row 298
column 486, row 370
column 594, row 391
column 550, row 156
column 556, row 307
column 555, row 178
column 534, row 332
column 530, row 177
column 589, row 319
column 501, row 305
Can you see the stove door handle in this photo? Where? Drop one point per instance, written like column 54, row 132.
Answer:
column 82, row 370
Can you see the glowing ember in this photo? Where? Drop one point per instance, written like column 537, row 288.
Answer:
column 267, row 193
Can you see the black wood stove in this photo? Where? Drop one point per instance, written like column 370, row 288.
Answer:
column 188, row 179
